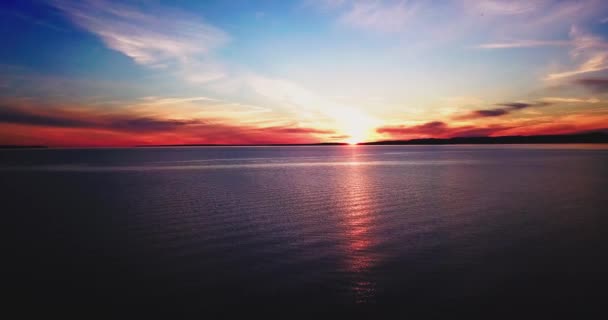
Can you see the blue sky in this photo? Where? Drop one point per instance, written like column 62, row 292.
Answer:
column 142, row 72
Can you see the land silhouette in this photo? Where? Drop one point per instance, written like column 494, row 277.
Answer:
column 591, row 137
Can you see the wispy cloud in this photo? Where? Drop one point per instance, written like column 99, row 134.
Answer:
column 570, row 100
column 524, row 44
column 590, row 50
column 530, row 23
column 151, row 36
column 506, row 19
column 299, row 130
column 385, row 16
column 557, row 14
column 189, row 107
column 372, row 15
column 505, row 7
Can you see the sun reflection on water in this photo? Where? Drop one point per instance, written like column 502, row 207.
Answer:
column 358, row 236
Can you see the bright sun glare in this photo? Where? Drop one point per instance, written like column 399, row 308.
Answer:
column 358, row 126
column 353, row 141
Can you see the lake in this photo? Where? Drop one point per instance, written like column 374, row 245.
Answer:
column 431, row 229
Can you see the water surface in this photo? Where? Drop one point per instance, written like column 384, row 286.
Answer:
column 426, row 228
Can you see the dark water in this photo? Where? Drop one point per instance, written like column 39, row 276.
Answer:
column 365, row 229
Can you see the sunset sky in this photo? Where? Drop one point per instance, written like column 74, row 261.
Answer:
column 108, row 73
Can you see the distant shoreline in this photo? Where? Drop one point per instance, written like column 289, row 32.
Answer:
column 22, row 147
column 245, row 145
column 593, row 137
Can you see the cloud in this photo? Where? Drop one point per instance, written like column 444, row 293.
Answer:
column 505, row 109
column 385, row 16
column 590, row 50
column 573, row 123
column 14, row 115
column 56, row 127
column 442, row 21
column 566, row 124
column 192, row 107
column 598, row 85
column 487, row 113
column 63, row 119
column 534, row 13
column 299, row 130
column 598, row 62
column 505, row 7
column 429, row 128
column 510, row 24
column 161, row 101
column 152, row 36
column 439, row 129
column 148, row 124
column 529, row 23
column 524, row 44
column 374, row 15
column 570, row 100
column 522, row 105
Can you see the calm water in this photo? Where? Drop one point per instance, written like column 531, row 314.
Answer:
column 365, row 228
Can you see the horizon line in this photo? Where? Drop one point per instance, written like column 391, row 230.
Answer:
column 583, row 137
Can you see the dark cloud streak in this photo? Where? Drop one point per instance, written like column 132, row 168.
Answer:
column 128, row 129
column 13, row 115
column 63, row 120
column 505, row 109
column 597, row 85
column 439, row 129
column 149, row 124
column 298, row 130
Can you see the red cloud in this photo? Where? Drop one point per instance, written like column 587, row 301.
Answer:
column 559, row 125
column 438, row 129
column 60, row 128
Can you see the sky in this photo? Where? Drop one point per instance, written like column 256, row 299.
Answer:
column 124, row 73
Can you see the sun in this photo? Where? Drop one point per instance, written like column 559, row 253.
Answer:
column 353, row 141
column 355, row 125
